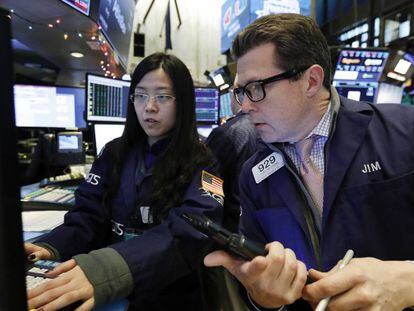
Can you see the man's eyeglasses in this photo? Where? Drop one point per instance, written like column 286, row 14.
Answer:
column 255, row 90
column 142, row 98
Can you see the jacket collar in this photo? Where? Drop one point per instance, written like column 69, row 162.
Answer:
column 350, row 123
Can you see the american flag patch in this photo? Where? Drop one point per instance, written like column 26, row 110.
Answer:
column 212, row 183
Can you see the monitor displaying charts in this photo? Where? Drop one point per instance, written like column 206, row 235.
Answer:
column 106, row 99
column 207, row 105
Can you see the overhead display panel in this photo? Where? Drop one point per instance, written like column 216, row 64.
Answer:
column 116, row 18
column 82, row 6
column 237, row 14
column 360, row 65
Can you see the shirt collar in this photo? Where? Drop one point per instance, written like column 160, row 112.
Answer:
column 322, row 128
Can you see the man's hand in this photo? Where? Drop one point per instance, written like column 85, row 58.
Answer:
column 69, row 285
column 271, row 281
column 364, row 284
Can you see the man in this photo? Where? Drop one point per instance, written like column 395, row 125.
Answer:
column 232, row 143
column 331, row 174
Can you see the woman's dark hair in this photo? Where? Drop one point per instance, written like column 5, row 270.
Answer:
column 175, row 168
column 298, row 42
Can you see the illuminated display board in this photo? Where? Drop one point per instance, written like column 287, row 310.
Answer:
column 360, row 65
column 80, row 5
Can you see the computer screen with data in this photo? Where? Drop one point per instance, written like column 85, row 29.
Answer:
column 106, row 99
column 360, row 65
column 207, row 105
column 225, row 105
column 104, row 133
column 39, row 106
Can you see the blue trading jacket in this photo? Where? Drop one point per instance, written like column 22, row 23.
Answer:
column 163, row 258
column 368, row 191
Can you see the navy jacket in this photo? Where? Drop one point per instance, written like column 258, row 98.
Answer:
column 232, row 143
column 163, row 258
column 368, row 191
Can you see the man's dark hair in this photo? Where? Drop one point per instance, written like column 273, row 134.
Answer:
column 184, row 155
column 298, row 42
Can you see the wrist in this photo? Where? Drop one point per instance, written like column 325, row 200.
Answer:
column 259, row 308
column 410, row 279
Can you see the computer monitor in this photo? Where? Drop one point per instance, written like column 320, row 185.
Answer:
column 360, row 65
column 39, row 106
column 106, row 99
column 104, row 133
column 69, row 148
column 12, row 280
column 205, row 130
column 225, row 105
column 359, row 91
column 82, row 6
column 69, row 142
column 207, row 100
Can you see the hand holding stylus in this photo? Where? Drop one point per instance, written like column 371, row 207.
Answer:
column 364, row 283
column 347, row 258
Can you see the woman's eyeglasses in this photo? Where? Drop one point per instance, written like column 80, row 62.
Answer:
column 142, row 98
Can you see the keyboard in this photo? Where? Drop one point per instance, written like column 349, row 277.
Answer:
column 35, row 272
column 49, row 198
column 71, row 179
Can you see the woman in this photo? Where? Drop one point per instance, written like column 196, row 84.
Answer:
column 128, row 214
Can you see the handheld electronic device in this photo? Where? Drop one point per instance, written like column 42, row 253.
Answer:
column 237, row 244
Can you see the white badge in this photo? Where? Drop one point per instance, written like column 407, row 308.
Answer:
column 267, row 167
column 146, row 215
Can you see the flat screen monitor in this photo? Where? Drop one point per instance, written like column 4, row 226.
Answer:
column 358, row 91
column 69, row 142
column 106, row 99
column 225, row 105
column 360, row 65
column 205, row 130
column 104, row 133
column 207, row 100
column 82, row 6
column 39, row 106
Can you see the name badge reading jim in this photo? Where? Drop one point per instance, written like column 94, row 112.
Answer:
column 267, row 167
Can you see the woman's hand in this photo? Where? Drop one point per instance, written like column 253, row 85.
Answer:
column 35, row 252
column 68, row 286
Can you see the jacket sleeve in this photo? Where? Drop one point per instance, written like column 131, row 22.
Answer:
column 86, row 226
column 172, row 249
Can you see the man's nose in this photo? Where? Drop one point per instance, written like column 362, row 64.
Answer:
column 247, row 105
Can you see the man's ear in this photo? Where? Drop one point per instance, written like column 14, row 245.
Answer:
column 315, row 76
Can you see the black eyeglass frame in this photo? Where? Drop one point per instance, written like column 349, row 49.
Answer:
column 281, row 76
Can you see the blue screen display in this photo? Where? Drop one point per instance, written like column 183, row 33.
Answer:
column 207, row 104
column 79, row 94
column 360, row 65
